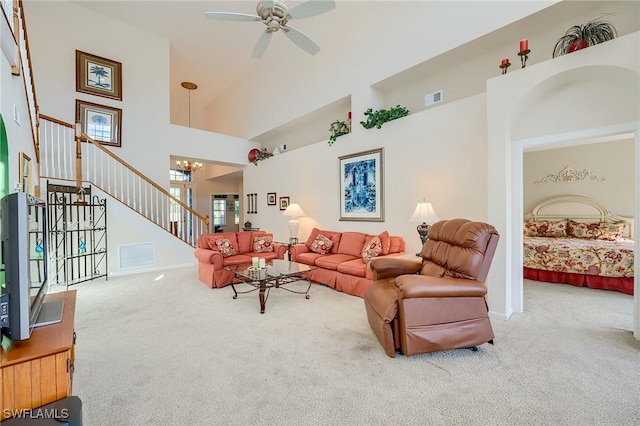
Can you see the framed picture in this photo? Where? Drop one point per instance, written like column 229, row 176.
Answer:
column 284, row 203
column 362, row 186
column 98, row 76
column 271, row 198
column 24, row 170
column 101, row 123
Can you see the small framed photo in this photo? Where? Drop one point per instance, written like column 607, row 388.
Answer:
column 284, row 203
column 271, row 198
column 98, row 76
column 101, row 123
column 24, row 170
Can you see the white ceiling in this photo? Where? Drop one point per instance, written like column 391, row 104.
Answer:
column 214, row 54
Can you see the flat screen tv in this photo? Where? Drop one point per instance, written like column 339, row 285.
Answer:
column 23, row 232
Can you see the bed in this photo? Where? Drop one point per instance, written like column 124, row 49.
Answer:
column 576, row 240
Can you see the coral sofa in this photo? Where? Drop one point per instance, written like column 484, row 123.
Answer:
column 342, row 258
column 216, row 251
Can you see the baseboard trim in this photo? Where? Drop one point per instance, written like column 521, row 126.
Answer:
column 132, row 271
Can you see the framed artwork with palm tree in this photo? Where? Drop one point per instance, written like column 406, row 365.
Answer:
column 98, row 76
column 101, row 123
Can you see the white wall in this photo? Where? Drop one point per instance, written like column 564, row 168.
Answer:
column 563, row 116
column 611, row 174
column 425, row 156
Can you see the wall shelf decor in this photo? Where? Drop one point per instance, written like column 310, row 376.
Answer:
column 567, row 174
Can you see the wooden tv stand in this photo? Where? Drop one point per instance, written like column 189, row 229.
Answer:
column 39, row 370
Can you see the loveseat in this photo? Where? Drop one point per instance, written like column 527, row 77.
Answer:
column 219, row 250
column 342, row 258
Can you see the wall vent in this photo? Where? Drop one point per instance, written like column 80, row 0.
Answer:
column 136, row 255
column 433, row 98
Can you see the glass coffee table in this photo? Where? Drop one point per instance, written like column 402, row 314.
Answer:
column 277, row 274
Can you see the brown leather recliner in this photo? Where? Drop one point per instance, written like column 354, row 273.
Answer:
column 437, row 304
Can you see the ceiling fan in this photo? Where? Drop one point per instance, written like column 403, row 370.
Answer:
column 275, row 14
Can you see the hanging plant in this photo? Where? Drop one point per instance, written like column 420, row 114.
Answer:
column 580, row 36
column 378, row 118
column 338, row 128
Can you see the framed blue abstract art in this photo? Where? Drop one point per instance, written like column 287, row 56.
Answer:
column 362, row 186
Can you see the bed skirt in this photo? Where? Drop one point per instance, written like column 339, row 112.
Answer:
column 622, row 284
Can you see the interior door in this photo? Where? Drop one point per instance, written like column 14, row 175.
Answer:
column 181, row 219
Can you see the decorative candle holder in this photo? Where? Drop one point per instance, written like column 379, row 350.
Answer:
column 504, row 66
column 524, row 55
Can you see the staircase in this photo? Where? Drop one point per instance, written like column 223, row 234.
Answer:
column 66, row 154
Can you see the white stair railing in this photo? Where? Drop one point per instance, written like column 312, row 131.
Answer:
column 61, row 159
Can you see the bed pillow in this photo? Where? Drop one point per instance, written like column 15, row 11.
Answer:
column 596, row 231
column 545, row 228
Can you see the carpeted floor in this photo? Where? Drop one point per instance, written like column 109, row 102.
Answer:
column 164, row 349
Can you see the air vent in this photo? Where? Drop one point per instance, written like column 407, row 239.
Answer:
column 433, row 98
column 136, row 255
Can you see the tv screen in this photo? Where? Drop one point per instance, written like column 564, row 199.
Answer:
column 24, row 252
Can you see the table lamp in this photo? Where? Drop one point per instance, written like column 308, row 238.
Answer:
column 294, row 211
column 424, row 213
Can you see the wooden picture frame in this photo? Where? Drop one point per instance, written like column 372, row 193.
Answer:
column 271, row 198
column 24, row 172
column 101, row 123
column 362, row 186
column 284, row 203
column 98, row 76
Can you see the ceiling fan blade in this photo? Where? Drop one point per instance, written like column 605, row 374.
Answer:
column 262, row 44
column 231, row 16
column 301, row 40
column 268, row 4
column 311, row 8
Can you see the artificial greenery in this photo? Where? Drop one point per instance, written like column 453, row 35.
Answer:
column 338, row 128
column 580, row 36
column 378, row 118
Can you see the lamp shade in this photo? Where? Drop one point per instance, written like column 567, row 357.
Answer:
column 293, row 210
column 424, row 213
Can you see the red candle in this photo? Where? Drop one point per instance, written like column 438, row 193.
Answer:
column 349, row 115
column 524, row 45
column 505, row 61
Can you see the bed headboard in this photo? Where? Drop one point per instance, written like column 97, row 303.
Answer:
column 579, row 208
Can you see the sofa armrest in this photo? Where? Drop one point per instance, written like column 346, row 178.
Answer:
column 280, row 249
column 297, row 249
column 209, row 256
column 421, row 286
column 387, row 267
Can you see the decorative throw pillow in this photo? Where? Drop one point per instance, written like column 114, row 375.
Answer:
column 225, row 247
column 371, row 249
column 545, row 228
column 263, row 245
column 595, row 231
column 321, row 244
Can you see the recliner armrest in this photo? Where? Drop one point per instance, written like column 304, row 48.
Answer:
column 415, row 286
column 393, row 267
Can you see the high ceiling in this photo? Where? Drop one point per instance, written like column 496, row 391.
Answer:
column 214, row 54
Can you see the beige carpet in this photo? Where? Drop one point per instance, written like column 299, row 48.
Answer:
column 157, row 349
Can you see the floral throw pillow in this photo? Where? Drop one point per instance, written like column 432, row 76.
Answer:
column 263, row 245
column 225, row 248
column 596, row 231
column 321, row 244
column 371, row 249
column 545, row 228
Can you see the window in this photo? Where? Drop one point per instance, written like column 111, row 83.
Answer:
column 219, row 210
column 179, row 175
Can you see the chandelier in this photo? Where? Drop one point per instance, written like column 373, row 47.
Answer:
column 188, row 166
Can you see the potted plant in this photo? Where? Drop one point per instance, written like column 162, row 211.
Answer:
column 378, row 118
column 338, row 128
column 580, row 36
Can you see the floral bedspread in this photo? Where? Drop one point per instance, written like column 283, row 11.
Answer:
column 580, row 256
